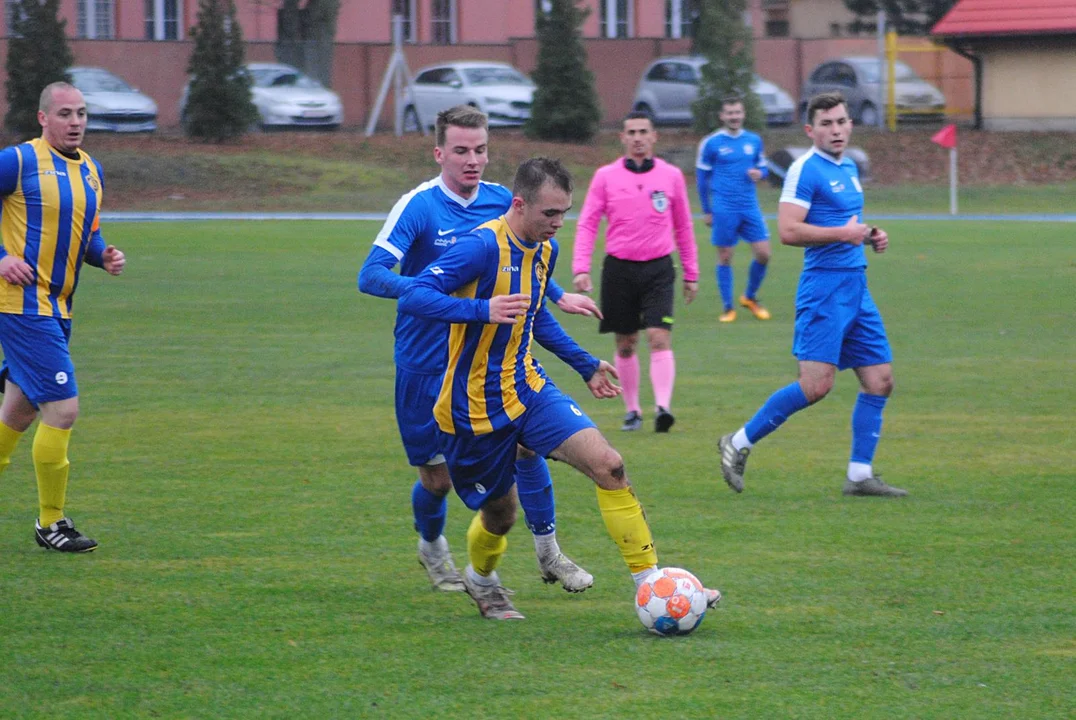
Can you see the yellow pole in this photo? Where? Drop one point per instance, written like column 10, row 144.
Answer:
column 891, row 85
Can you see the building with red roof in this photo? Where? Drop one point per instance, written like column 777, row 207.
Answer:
column 1025, row 60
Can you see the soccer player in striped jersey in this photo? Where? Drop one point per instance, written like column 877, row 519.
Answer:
column 729, row 163
column 50, row 191
column 838, row 325
column 422, row 225
column 494, row 395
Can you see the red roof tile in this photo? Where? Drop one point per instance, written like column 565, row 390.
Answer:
column 1008, row 17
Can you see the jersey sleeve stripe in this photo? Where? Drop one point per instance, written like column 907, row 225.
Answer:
column 792, row 181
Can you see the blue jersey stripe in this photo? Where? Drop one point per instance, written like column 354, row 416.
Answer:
column 63, row 232
column 87, row 229
column 31, row 190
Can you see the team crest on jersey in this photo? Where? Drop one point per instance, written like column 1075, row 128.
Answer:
column 659, row 200
column 92, row 179
column 748, row 148
column 539, row 271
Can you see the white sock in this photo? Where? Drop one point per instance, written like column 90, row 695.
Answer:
column 858, row 472
column 545, row 546
column 641, row 575
column 437, row 548
column 477, row 579
column 740, row 441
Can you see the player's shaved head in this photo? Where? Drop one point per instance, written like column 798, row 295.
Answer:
column 44, row 103
column 463, row 116
column 535, row 173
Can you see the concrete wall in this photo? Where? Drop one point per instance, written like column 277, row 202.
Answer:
column 1028, row 84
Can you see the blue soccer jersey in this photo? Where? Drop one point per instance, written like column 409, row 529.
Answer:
column 830, row 191
column 721, row 167
column 421, row 226
column 491, row 377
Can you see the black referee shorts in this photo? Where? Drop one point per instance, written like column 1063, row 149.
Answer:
column 637, row 295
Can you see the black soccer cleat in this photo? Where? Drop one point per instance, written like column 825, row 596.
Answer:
column 663, row 420
column 63, row 536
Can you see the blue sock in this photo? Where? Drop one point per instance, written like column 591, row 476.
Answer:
column 430, row 512
column 786, row 401
column 535, row 489
column 754, row 278
column 866, row 427
column 724, row 284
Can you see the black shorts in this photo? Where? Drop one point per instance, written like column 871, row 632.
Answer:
column 637, row 295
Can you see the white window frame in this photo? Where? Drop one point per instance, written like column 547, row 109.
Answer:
column 410, row 26
column 612, row 18
column 88, row 9
column 453, row 23
column 158, row 20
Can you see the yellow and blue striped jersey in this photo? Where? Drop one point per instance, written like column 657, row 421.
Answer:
column 49, row 217
column 491, row 377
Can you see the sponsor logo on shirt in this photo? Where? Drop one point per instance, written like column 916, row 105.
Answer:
column 724, row 150
column 836, row 186
column 659, row 201
column 509, row 268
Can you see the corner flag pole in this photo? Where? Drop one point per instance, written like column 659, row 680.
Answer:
column 946, row 137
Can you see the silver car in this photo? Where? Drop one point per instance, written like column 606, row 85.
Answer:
column 497, row 89
column 285, row 97
column 111, row 104
column 857, row 78
column 670, row 85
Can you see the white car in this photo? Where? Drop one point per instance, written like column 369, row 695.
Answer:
column 111, row 104
column 669, row 86
column 285, row 97
column 497, row 89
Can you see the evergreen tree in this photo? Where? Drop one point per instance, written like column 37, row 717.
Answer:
column 728, row 44
column 907, row 17
column 219, row 105
column 565, row 104
column 37, row 55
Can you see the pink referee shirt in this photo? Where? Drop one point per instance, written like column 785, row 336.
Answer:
column 645, row 211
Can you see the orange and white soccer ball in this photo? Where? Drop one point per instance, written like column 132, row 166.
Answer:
column 670, row 601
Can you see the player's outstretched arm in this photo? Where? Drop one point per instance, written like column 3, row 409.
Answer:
column 549, row 333
column 377, row 278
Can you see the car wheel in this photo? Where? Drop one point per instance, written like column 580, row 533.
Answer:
column 868, row 115
column 410, row 120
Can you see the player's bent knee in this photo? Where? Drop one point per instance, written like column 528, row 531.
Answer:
column 435, row 479
column 609, row 472
column 523, row 453
column 498, row 516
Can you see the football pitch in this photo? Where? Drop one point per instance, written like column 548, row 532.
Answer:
column 238, row 460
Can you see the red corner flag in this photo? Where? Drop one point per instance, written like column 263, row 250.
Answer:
column 946, row 137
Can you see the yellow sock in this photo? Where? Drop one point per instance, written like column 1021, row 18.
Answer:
column 626, row 523
column 50, row 462
column 9, row 438
column 484, row 548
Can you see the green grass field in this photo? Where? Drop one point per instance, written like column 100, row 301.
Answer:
column 238, row 461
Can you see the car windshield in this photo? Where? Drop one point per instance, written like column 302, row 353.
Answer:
column 870, row 72
column 495, row 76
column 277, row 79
column 100, row 82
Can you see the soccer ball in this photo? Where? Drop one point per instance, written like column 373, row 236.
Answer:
column 670, row 601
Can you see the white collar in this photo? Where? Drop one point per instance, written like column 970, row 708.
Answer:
column 462, row 201
column 826, row 156
column 726, row 132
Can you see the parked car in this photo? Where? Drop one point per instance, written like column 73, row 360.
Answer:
column 857, row 78
column 111, row 104
column 497, row 89
column 669, row 86
column 285, row 97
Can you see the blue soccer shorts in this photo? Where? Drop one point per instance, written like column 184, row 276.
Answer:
column 731, row 225
column 37, row 358
column 837, row 321
column 415, row 396
column 483, row 466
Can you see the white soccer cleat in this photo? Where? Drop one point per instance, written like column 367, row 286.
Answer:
column 559, row 568
column 442, row 571
column 492, row 600
column 713, row 597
